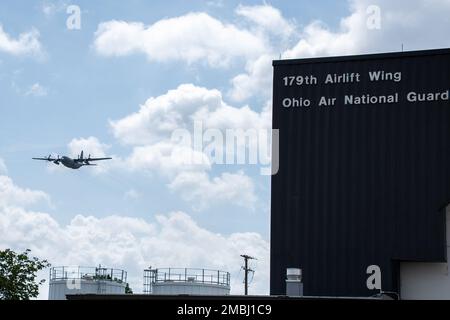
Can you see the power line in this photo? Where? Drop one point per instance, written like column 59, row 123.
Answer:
column 247, row 270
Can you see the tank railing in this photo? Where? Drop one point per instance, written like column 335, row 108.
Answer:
column 190, row 275
column 88, row 273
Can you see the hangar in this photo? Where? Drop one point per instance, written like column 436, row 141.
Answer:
column 363, row 187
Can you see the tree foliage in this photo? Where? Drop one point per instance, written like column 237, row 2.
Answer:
column 18, row 272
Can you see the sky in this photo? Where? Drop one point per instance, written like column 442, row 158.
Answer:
column 119, row 78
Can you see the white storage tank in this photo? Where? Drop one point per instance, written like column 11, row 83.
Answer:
column 186, row 281
column 85, row 280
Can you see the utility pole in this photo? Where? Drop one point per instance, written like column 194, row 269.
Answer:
column 246, row 270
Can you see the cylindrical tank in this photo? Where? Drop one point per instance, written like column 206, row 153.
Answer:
column 186, row 281
column 85, row 280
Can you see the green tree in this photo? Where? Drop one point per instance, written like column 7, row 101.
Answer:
column 18, row 275
column 128, row 290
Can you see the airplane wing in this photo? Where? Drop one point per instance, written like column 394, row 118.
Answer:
column 87, row 160
column 45, row 159
column 98, row 159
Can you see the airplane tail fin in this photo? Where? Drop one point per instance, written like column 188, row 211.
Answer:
column 81, row 155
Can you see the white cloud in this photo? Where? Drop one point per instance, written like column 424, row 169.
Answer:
column 166, row 158
column 268, row 18
column 37, row 90
column 191, row 179
column 228, row 117
column 269, row 23
column 256, row 81
column 178, row 109
column 91, row 146
column 418, row 24
column 198, row 36
column 232, row 188
column 133, row 244
column 12, row 195
column 177, row 163
column 160, row 116
column 215, row 3
column 190, row 38
column 150, row 131
column 49, row 8
column 126, row 242
column 27, row 43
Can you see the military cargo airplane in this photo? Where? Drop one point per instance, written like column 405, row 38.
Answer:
column 73, row 163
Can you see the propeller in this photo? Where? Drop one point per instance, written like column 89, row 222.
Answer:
column 57, row 161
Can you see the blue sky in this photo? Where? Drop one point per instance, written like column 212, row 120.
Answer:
column 67, row 93
column 85, row 90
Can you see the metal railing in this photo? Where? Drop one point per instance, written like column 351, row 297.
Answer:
column 164, row 275
column 88, row 273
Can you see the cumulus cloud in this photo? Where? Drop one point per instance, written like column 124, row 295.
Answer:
column 180, row 108
column 268, row 18
column 232, row 188
column 150, row 132
column 37, row 90
column 189, row 38
column 160, row 116
column 418, row 24
column 50, row 8
column 197, row 36
column 125, row 242
column 191, row 178
column 27, row 43
column 257, row 80
column 94, row 148
column 215, row 3
column 11, row 195
column 91, row 146
column 133, row 244
column 270, row 24
column 186, row 169
column 167, row 158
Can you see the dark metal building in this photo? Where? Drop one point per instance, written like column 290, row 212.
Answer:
column 364, row 180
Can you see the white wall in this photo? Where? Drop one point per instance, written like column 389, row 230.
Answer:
column 58, row 289
column 191, row 288
column 426, row 280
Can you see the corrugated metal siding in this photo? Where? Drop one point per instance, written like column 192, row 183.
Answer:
column 360, row 185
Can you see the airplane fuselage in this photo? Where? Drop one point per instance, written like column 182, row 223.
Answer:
column 70, row 163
